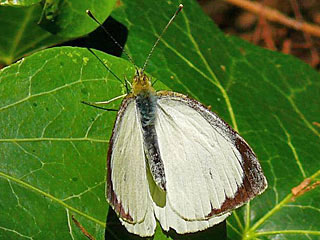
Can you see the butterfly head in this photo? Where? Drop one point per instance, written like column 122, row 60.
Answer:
column 141, row 83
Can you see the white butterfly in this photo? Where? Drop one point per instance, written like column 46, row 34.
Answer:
column 170, row 158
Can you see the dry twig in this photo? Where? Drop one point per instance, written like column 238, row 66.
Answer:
column 83, row 230
column 314, row 55
column 276, row 16
column 303, row 187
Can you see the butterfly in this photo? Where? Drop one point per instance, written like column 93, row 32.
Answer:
column 173, row 160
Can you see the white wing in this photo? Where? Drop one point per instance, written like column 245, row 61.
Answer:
column 128, row 190
column 203, row 167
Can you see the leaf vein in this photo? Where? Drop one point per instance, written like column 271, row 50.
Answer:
column 67, row 85
column 289, row 142
column 14, row 140
column 16, row 232
column 51, row 197
column 277, row 207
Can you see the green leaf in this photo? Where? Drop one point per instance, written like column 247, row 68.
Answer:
column 53, row 148
column 22, row 35
column 18, row 30
column 69, row 19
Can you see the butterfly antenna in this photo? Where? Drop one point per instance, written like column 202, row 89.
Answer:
column 163, row 31
column 112, row 38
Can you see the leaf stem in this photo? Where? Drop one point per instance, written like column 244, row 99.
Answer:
column 271, row 212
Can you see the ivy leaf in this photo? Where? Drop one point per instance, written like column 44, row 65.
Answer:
column 60, row 21
column 53, row 148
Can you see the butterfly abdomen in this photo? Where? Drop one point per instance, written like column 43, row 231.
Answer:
column 146, row 103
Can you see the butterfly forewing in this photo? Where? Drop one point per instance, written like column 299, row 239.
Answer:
column 209, row 168
column 127, row 186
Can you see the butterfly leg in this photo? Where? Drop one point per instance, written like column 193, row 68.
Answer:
column 95, row 104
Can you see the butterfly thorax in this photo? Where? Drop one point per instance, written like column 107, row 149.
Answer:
column 141, row 84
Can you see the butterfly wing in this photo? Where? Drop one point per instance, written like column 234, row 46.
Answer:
column 209, row 168
column 127, row 185
column 169, row 218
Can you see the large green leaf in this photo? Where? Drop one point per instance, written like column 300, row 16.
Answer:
column 53, row 165
column 60, row 20
column 53, row 148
